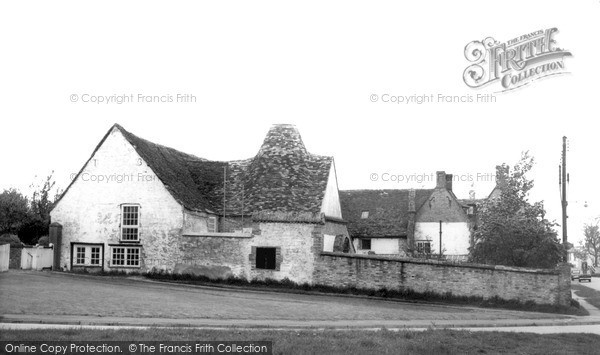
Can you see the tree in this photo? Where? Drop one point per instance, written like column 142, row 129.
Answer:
column 41, row 203
column 512, row 231
column 14, row 211
column 591, row 241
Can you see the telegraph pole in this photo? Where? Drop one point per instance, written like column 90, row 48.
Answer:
column 563, row 180
column 440, row 240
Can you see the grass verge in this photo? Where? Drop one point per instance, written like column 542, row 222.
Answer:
column 342, row 342
column 289, row 286
column 589, row 294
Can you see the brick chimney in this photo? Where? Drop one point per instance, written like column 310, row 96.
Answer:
column 441, row 180
column 449, row 182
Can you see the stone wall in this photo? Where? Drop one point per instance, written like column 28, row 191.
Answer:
column 214, row 256
column 230, row 254
column 375, row 272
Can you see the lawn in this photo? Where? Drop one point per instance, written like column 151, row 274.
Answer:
column 345, row 342
column 589, row 294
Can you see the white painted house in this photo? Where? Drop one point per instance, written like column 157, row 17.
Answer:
column 405, row 222
column 138, row 205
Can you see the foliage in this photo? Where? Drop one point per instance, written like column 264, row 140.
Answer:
column 591, row 243
column 512, row 231
column 14, row 211
column 29, row 218
column 11, row 239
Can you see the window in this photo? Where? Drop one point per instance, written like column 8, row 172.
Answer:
column 424, row 247
column 125, row 256
column 80, row 256
column 364, row 215
column 95, row 259
column 130, row 217
column 212, row 224
column 87, row 254
column 365, row 244
column 266, row 258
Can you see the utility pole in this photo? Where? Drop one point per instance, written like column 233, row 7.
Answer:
column 563, row 180
column 224, row 189
column 440, row 239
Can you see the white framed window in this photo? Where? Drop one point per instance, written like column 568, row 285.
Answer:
column 364, row 215
column 424, row 247
column 130, row 223
column 87, row 254
column 125, row 256
column 212, row 224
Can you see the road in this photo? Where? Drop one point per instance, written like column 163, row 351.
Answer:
column 595, row 283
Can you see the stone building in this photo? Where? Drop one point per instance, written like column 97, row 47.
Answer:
column 138, row 205
column 406, row 222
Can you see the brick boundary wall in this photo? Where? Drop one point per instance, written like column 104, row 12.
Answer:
column 542, row 286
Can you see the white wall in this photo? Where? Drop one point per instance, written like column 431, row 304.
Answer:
column 90, row 210
column 455, row 236
column 297, row 244
column 328, row 242
column 379, row 246
column 331, row 201
column 4, row 257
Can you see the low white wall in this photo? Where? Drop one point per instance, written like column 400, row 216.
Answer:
column 36, row 258
column 4, row 257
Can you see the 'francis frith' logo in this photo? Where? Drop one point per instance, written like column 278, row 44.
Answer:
column 514, row 63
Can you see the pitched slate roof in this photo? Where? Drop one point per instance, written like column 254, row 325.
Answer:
column 282, row 177
column 388, row 211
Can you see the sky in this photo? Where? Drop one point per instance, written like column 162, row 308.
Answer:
column 331, row 68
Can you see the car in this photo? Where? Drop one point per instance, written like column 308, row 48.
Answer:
column 586, row 276
column 575, row 274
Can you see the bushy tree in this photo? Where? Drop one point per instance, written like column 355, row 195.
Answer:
column 14, row 211
column 512, row 231
column 39, row 211
column 591, row 242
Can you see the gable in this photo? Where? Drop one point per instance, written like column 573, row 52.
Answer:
column 331, row 202
column 441, row 205
column 115, row 173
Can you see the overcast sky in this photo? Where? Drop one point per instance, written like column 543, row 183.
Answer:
column 315, row 64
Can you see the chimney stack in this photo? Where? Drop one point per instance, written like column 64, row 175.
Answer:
column 449, row 182
column 441, row 180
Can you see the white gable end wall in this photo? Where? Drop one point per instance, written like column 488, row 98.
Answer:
column 90, row 211
column 455, row 236
column 331, row 200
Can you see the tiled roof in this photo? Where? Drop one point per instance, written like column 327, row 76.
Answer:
column 388, row 211
column 282, row 177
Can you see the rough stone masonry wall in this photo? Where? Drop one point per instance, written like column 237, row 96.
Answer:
column 215, row 257
column 376, row 272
